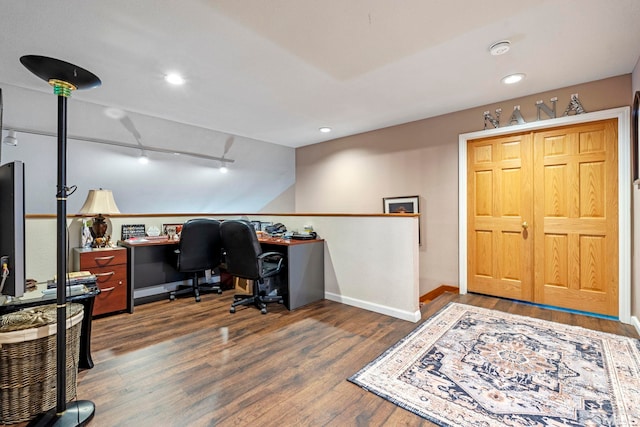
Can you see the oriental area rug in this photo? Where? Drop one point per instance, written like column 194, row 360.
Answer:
column 470, row 366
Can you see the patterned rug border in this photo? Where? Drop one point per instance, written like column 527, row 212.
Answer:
column 464, row 308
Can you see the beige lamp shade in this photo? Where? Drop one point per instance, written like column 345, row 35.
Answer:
column 99, row 202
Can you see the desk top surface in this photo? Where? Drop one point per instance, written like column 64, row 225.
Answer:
column 37, row 297
column 142, row 241
column 267, row 240
column 286, row 242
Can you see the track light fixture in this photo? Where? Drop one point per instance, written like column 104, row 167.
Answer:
column 11, row 139
column 143, row 158
column 145, row 149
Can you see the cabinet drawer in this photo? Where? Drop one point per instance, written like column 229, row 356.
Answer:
column 110, row 276
column 93, row 259
column 111, row 299
column 112, row 282
column 110, row 266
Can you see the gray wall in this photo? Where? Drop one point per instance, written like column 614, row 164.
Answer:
column 261, row 176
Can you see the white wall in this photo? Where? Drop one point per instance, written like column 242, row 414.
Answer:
column 370, row 262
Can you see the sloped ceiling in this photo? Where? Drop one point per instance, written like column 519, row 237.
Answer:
column 277, row 70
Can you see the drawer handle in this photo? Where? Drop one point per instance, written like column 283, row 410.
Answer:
column 104, row 258
column 110, row 273
column 107, row 289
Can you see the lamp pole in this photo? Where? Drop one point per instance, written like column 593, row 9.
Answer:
column 64, row 77
column 61, row 270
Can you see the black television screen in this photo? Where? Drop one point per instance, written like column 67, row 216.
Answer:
column 12, row 227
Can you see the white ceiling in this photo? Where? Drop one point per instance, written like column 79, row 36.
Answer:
column 277, row 70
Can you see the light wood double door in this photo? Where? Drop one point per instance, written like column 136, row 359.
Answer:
column 543, row 217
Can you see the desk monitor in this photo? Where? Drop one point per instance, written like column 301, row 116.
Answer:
column 12, row 227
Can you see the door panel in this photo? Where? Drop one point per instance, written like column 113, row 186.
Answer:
column 543, row 217
column 500, row 254
column 576, row 233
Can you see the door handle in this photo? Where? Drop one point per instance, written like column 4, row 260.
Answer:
column 525, row 225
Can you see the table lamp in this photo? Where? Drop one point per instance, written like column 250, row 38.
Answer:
column 99, row 202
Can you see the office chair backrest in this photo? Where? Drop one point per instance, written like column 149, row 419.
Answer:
column 241, row 249
column 200, row 245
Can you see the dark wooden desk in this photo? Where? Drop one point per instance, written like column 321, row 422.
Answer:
column 86, row 299
column 152, row 268
column 304, row 268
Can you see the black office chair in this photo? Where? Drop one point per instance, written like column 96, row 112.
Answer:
column 244, row 258
column 200, row 249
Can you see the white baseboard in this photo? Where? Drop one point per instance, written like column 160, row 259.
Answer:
column 158, row 289
column 170, row 287
column 636, row 323
column 377, row 308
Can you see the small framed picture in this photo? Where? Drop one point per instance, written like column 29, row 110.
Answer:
column 172, row 229
column 406, row 204
column 403, row 205
column 264, row 225
column 132, row 230
column 635, row 138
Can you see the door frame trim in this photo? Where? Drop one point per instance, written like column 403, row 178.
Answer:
column 624, row 193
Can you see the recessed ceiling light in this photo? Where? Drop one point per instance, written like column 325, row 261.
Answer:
column 500, row 48
column 174, row 79
column 325, row 129
column 512, row 78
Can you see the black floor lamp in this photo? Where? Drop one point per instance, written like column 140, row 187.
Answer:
column 64, row 78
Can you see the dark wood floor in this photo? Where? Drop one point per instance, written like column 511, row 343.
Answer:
column 183, row 363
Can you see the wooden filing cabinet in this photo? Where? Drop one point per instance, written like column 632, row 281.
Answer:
column 110, row 268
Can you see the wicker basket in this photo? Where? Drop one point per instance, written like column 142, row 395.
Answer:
column 28, row 361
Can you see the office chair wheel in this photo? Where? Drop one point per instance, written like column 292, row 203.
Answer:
column 198, row 298
column 232, row 310
column 219, row 291
column 263, row 310
column 172, row 296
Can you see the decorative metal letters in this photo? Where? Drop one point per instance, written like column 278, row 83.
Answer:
column 516, row 117
column 550, row 112
column 574, row 105
column 488, row 117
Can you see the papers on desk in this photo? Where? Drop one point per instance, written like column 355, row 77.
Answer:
column 146, row 239
column 135, row 240
column 75, row 275
column 74, row 278
column 76, row 284
column 72, row 290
